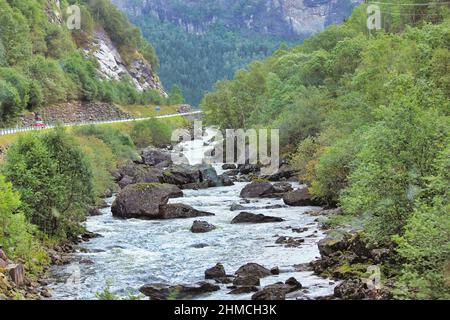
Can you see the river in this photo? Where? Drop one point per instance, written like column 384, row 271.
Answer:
column 134, row 252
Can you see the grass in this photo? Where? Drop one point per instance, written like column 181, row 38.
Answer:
column 148, row 110
column 126, row 127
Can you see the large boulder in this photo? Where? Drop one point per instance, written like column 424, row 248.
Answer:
column 201, row 227
column 285, row 172
column 181, row 175
column 179, row 210
column 246, row 280
column 329, row 246
column 249, row 168
column 216, row 272
column 229, row 166
column 282, row 187
column 160, row 291
column 351, row 289
column 17, row 273
column 225, row 181
column 131, row 173
column 299, row 197
column 153, row 156
column 257, row 189
column 208, row 174
column 253, row 269
column 247, row 217
column 143, row 200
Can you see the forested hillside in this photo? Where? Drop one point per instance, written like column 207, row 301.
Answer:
column 43, row 62
column 201, row 42
column 364, row 117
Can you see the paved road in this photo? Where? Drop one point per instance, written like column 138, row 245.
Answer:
column 7, row 131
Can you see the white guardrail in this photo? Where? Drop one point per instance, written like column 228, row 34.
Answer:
column 4, row 132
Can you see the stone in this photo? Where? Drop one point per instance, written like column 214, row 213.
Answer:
column 246, row 280
column 17, row 273
column 179, row 210
column 161, row 291
column 275, row 271
column 143, row 200
column 253, row 269
column 247, row 217
column 257, row 189
column 351, row 289
column 216, row 272
column 229, row 166
column 299, row 197
column 290, row 242
column 202, row 227
column 243, row 290
column 153, row 156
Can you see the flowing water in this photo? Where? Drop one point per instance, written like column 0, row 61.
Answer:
column 134, row 252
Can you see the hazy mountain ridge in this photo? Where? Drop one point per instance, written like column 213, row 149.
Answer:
column 283, row 18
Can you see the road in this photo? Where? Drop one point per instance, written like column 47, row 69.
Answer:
column 7, row 131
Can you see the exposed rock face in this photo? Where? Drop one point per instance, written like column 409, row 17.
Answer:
column 143, row 200
column 201, row 227
column 247, row 217
column 284, row 18
column 113, row 67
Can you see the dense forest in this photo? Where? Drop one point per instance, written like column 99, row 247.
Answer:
column 194, row 62
column 364, row 118
column 201, row 42
column 42, row 62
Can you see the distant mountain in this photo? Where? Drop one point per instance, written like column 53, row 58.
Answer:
column 202, row 41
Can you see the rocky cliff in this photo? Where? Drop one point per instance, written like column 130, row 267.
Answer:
column 286, row 18
column 111, row 64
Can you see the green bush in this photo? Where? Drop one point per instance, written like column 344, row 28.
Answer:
column 151, row 132
column 16, row 234
column 425, row 244
column 396, row 154
column 54, row 180
column 120, row 142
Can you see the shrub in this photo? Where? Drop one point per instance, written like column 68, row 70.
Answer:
column 16, row 234
column 120, row 142
column 54, row 180
column 426, row 243
column 145, row 133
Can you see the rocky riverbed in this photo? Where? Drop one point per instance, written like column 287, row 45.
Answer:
column 171, row 223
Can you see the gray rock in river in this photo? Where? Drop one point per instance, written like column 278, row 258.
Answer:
column 179, row 210
column 247, row 217
column 143, row 200
column 299, row 197
column 161, row 291
column 202, row 227
column 253, row 269
column 257, row 189
column 216, row 272
column 277, row 291
column 153, row 156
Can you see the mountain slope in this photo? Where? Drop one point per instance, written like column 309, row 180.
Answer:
column 200, row 42
column 44, row 62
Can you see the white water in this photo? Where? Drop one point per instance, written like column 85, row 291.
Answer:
column 134, row 252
